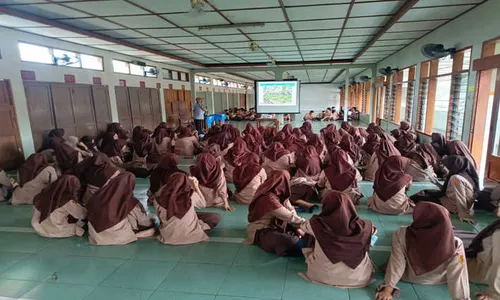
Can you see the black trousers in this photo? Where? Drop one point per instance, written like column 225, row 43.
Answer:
column 199, row 125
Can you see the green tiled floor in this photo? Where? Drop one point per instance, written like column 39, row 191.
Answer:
column 32, row 267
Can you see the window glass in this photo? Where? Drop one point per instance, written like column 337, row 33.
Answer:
column 441, row 104
column 183, row 76
column 445, row 65
column 66, row 58
column 91, row 62
column 406, row 74
column 150, row 71
column 466, row 62
column 166, row 74
column 136, row 70
column 175, row 75
column 121, row 67
column 36, row 53
column 404, row 94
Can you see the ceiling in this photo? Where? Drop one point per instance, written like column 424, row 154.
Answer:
column 296, row 32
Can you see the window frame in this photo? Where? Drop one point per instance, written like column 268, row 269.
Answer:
column 54, row 64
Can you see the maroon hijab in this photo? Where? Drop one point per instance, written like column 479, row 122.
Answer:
column 110, row 146
column 385, row 150
column 439, row 143
column 270, row 195
column 184, row 132
column 246, row 172
column 429, row 239
column 112, row 203
column 269, row 134
column 56, row 195
column 316, row 142
column 214, row 150
column 342, row 235
column 345, row 125
column 160, row 175
column 308, row 161
column 238, row 153
column 350, row 146
column 287, row 130
column 406, row 143
column 276, row 151
column 31, row 168
column 252, row 144
column 372, row 144
column 477, row 243
column 456, row 147
column 371, row 128
column 460, row 165
column 429, row 153
column 66, row 156
column 391, row 177
column 207, row 171
column 141, row 141
column 175, row 197
column 419, row 159
column 306, row 129
column 160, row 133
column 95, row 170
column 340, row 174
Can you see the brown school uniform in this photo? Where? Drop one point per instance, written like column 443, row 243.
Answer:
column 244, row 195
column 212, row 182
column 459, row 197
column 26, row 193
column 186, row 146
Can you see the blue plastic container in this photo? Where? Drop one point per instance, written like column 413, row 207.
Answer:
column 220, row 117
column 209, row 119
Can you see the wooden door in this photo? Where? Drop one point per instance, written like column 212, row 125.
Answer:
column 170, row 96
column 180, row 95
column 135, row 106
column 83, row 110
column 123, row 107
column 146, row 110
column 242, row 101
column 63, row 110
column 218, row 108
column 102, row 109
column 39, row 100
column 156, row 107
column 493, row 157
column 188, row 103
column 11, row 152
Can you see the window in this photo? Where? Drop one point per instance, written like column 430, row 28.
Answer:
column 91, row 62
column 442, row 95
column 150, row 71
column 121, row 66
column 401, row 101
column 36, row 53
column 59, row 57
column 136, row 70
column 167, row 74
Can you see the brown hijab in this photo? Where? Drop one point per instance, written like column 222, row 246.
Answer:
column 276, row 151
column 238, row 153
column 372, row 144
column 350, row 146
column 112, row 147
column 246, row 172
column 56, row 195
column 95, row 170
column 66, row 156
column 429, row 153
column 141, row 141
column 287, row 130
column 207, row 171
column 160, row 133
column 31, row 168
column 406, row 143
column 214, row 150
column 342, row 235
column 456, row 147
column 308, row 161
column 429, row 239
column 461, row 165
column 419, row 159
column 175, row 197
column 385, row 150
column 252, row 144
column 270, row 195
column 391, row 177
column 439, row 143
column 340, row 174
column 160, row 175
column 371, row 128
column 316, row 142
column 306, row 129
column 112, row 203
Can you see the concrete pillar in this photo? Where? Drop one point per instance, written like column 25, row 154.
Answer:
column 372, row 92
column 192, row 86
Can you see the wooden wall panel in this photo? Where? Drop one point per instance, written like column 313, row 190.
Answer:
column 40, row 110
column 63, row 109
column 85, row 123
column 156, row 107
column 135, row 106
column 102, row 109
column 123, row 107
column 145, row 105
column 11, row 152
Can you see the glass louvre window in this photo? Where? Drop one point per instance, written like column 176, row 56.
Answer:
column 91, row 62
column 34, row 53
column 121, row 67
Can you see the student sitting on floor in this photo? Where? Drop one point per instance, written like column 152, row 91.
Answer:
column 141, row 144
column 419, row 168
column 320, row 116
column 248, row 177
column 303, row 185
column 113, row 147
column 5, row 185
column 179, row 223
column 315, row 141
column 309, row 116
column 94, row 173
column 34, row 175
column 212, row 181
column 327, row 116
column 269, row 214
column 277, row 158
column 390, row 186
column 483, row 261
column 384, row 150
column 87, row 143
column 238, row 154
column 186, row 144
column 341, row 176
column 57, row 213
column 340, row 255
column 66, row 156
column 115, row 216
column 427, row 252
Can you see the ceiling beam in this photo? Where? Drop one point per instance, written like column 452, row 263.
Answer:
column 37, row 19
column 400, row 13
column 284, row 68
column 348, row 14
column 337, row 76
column 281, row 63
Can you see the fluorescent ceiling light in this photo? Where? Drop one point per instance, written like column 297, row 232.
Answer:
column 237, row 25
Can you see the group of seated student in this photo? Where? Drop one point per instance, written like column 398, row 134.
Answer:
column 78, row 185
column 241, row 114
column 330, row 114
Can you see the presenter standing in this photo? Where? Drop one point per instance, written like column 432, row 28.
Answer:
column 199, row 114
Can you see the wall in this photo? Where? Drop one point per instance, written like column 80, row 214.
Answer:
column 11, row 65
column 317, row 97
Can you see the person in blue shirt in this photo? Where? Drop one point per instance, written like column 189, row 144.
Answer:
column 199, row 114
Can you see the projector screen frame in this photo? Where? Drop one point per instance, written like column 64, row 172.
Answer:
column 256, row 95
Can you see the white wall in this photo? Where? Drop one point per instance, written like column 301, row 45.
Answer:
column 317, row 97
column 11, row 65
